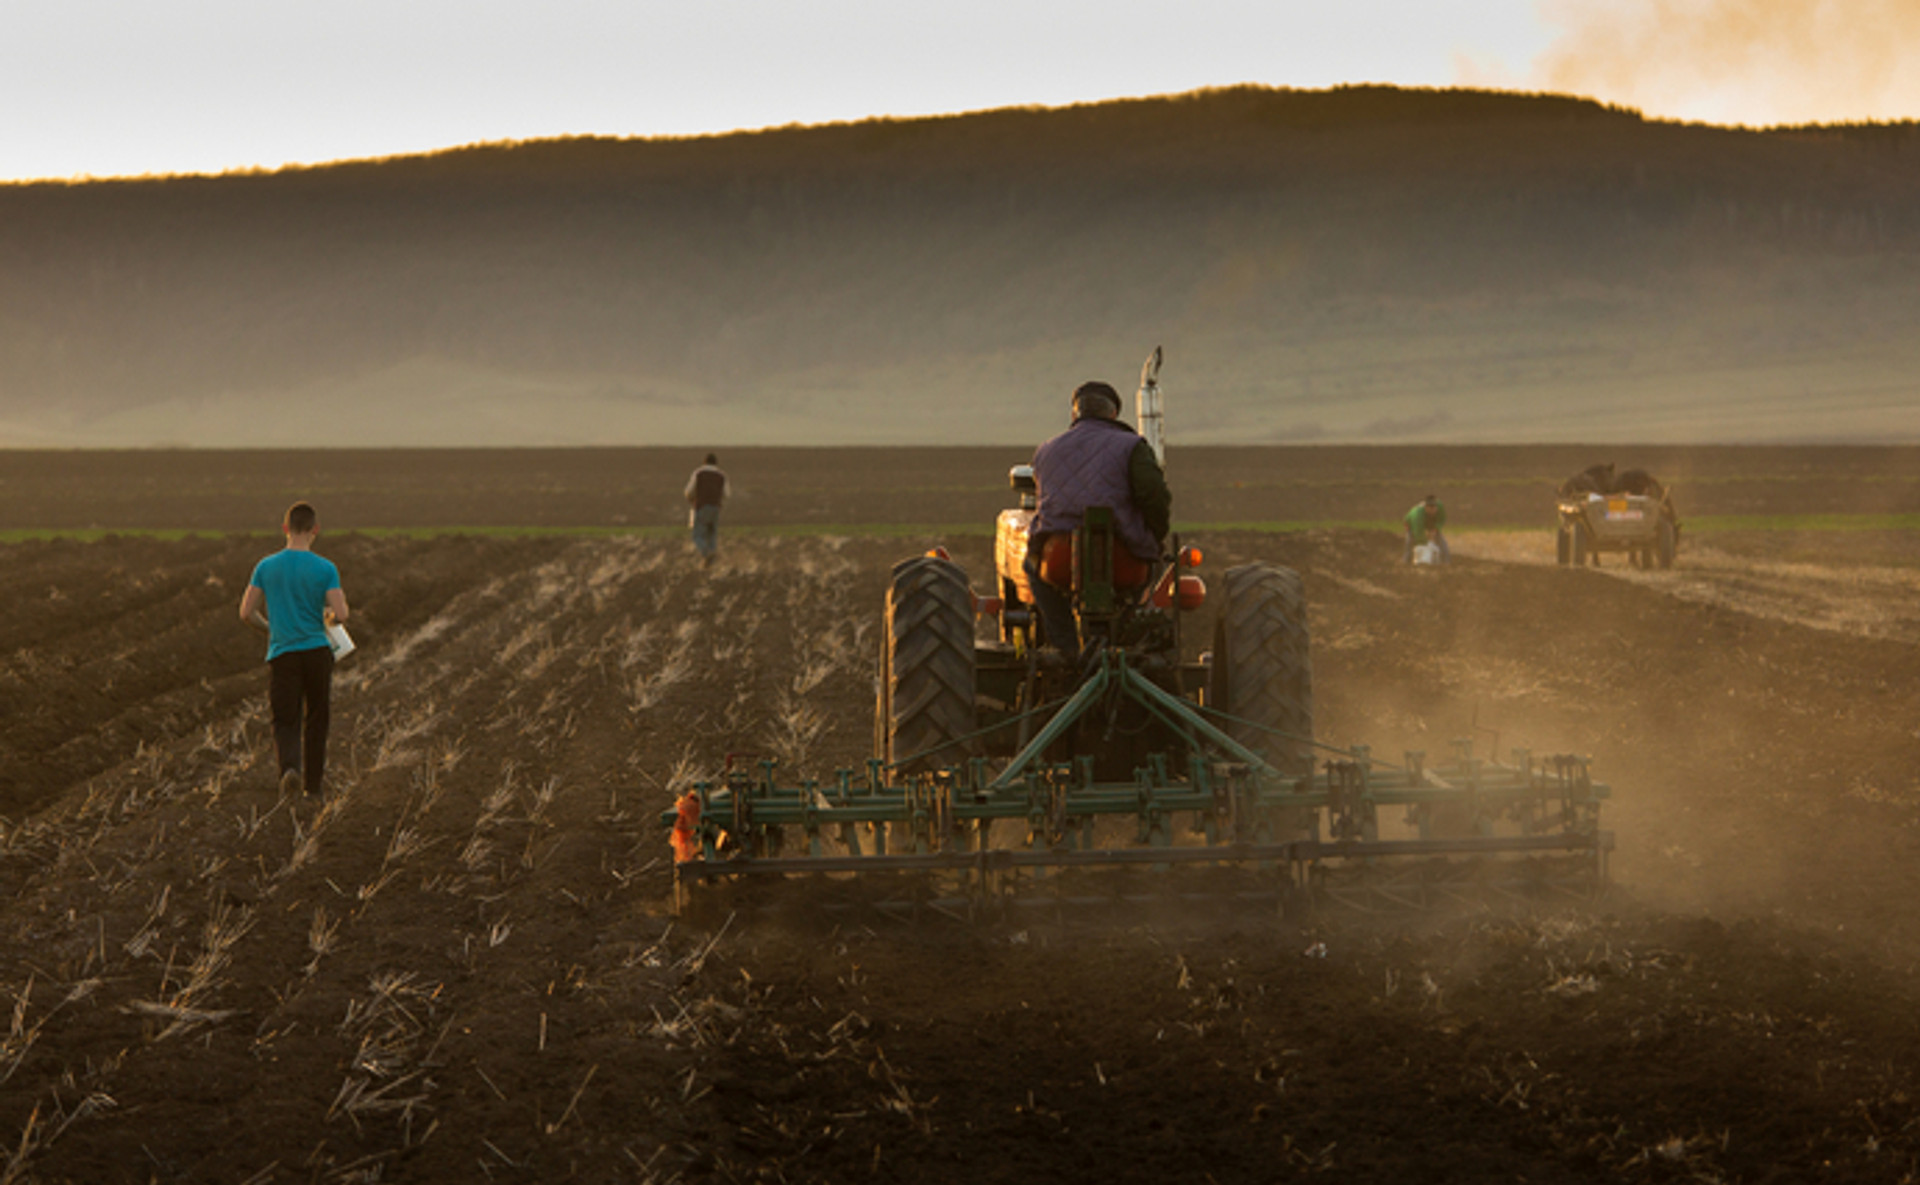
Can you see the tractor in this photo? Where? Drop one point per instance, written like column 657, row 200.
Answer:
column 940, row 688
column 946, row 694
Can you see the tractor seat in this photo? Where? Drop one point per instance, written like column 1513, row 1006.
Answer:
column 1056, row 565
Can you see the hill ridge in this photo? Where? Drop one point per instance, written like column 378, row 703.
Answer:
column 1360, row 264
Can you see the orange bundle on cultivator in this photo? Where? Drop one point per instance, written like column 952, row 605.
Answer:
column 1006, row 769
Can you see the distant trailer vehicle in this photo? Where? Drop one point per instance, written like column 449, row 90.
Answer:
column 1644, row 527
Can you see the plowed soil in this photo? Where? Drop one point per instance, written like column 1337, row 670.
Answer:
column 463, row 965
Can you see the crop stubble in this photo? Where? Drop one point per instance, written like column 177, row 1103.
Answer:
column 461, row 967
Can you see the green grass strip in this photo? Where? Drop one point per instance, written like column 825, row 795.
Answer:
column 1291, row 526
column 534, row 532
column 95, row 534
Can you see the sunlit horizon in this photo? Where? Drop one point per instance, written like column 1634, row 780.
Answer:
column 230, row 87
column 377, row 155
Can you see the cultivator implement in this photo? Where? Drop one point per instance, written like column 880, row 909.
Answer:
column 1355, row 831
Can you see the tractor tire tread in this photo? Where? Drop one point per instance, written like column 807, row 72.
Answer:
column 928, row 662
column 1262, row 647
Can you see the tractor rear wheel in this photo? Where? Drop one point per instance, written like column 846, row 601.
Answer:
column 1669, row 543
column 1262, row 673
column 1578, row 544
column 1563, row 545
column 925, row 700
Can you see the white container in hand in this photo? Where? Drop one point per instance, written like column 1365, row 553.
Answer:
column 338, row 639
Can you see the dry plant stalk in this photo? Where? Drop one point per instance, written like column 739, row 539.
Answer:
column 149, row 931
column 407, row 842
column 812, row 673
column 649, row 690
column 322, row 936
column 635, row 645
column 20, row 1037
column 388, row 1026
column 478, row 851
column 16, row 1165
column 306, row 845
column 226, row 925
column 685, row 772
column 542, row 801
column 392, row 747
column 796, row 725
column 573, row 1102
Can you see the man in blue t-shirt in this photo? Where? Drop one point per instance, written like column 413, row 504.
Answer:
column 300, row 593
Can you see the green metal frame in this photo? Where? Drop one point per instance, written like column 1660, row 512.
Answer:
column 1243, row 810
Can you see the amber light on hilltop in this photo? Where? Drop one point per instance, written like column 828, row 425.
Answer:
column 1760, row 61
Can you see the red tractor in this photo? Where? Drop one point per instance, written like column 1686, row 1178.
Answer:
column 946, row 694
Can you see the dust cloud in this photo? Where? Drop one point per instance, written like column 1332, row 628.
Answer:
column 1753, row 62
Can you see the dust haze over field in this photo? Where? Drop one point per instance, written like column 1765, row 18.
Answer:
column 1361, row 265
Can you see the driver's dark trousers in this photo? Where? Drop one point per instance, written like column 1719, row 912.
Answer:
column 1056, row 608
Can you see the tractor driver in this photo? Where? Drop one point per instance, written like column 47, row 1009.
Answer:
column 1097, row 461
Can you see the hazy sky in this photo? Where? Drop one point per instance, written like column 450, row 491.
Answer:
column 117, row 87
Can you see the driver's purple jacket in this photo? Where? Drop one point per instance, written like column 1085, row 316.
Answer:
column 1090, row 465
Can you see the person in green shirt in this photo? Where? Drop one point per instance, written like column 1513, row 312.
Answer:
column 1424, row 522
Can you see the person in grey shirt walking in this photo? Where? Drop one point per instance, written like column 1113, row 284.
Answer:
column 707, row 491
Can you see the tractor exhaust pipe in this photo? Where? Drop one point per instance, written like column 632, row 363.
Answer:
column 1149, row 415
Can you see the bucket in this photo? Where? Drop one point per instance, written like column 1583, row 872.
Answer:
column 1427, row 553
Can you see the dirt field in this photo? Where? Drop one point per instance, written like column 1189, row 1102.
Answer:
column 634, row 488
column 463, row 966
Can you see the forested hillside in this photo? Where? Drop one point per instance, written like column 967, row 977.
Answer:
column 1362, row 264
